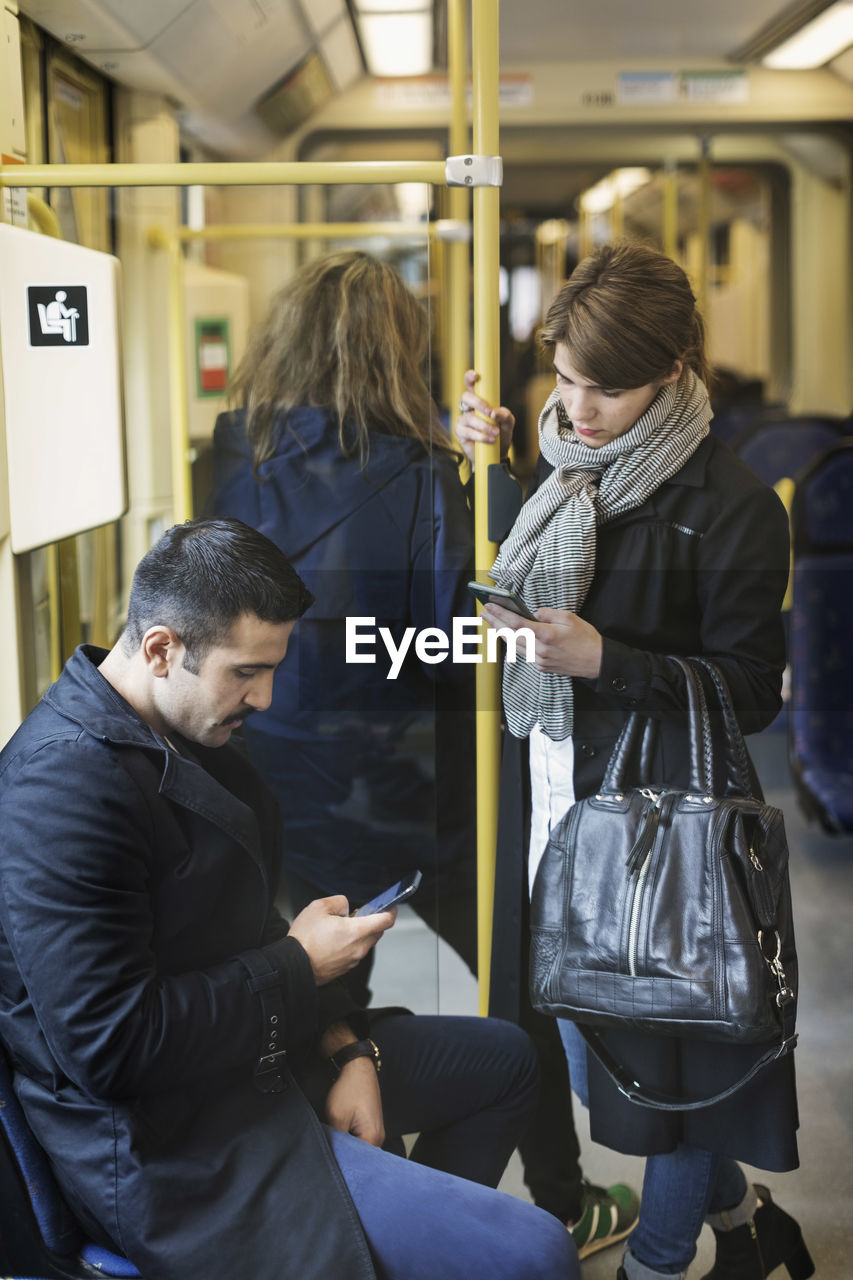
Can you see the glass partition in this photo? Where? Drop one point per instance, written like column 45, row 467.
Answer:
column 368, row 746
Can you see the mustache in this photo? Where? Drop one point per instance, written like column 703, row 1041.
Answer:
column 238, row 719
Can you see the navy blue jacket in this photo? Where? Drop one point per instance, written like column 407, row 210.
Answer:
column 374, row 777
column 135, row 883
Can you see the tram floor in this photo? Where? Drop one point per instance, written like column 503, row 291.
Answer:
column 411, row 969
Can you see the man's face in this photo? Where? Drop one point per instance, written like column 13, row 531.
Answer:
column 235, row 678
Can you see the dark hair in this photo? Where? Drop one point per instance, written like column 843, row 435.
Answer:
column 345, row 334
column 627, row 314
column 201, row 576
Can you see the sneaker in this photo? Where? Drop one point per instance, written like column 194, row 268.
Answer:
column 609, row 1214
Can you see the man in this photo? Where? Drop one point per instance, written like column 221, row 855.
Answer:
column 174, row 1043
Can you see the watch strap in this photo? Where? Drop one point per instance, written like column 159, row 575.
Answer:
column 357, row 1049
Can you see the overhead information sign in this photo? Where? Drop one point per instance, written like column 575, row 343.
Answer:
column 659, row 88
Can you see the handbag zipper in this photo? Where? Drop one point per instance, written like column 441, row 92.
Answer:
column 639, row 861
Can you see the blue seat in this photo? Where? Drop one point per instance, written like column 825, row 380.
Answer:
column 774, row 448
column 38, row 1234
column 822, row 624
column 731, row 420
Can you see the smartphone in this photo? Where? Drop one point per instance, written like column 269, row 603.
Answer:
column 398, row 892
column 499, row 595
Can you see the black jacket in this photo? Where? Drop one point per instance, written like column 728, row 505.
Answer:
column 135, row 884
column 700, row 568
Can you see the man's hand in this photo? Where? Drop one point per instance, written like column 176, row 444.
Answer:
column 354, row 1103
column 334, row 942
column 565, row 644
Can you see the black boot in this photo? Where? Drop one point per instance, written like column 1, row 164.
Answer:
column 754, row 1250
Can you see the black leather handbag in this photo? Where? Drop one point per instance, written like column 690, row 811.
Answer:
column 669, row 911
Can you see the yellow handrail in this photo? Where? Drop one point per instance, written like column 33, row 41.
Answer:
column 308, row 231
column 224, row 174
column 458, row 299
column 487, row 361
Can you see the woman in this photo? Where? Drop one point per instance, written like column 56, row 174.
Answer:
column 642, row 536
column 337, row 455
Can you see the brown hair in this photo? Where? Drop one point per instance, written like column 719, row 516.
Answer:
column 627, row 314
column 343, row 334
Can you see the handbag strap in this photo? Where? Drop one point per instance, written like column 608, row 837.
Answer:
column 701, row 760
column 738, row 779
column 656, row 1099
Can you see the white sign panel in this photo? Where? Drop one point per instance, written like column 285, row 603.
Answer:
column 658, row 88
column 59, row 346
column 714, row 86
column 638, row 88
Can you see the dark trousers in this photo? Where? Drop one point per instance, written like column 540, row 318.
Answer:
column 466, row 1086
column 549, row 1150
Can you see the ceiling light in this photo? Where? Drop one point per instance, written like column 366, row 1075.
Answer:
column 396, row 36
column 818, row 42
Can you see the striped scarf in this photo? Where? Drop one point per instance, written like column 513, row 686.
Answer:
column 549, row 554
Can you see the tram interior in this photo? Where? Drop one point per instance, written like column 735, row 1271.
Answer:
column 661, row 124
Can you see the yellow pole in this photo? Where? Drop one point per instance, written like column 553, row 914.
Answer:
column 704, row 230
column 54, row 608
column 584, row 234
column 458, row 295
column 305, row 230
column 617, row 217
column 182, row 497
column 221, row 174
column 487, row 361
column 670, row 211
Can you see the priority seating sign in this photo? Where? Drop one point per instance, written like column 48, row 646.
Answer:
column 59, row 317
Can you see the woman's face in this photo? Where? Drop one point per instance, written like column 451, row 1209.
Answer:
column 601, row 414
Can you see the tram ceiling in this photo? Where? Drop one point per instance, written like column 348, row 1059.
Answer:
column 536, row 30
column 247, row 72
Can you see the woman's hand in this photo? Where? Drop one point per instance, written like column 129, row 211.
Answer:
column 472, row 429
column 564, row 643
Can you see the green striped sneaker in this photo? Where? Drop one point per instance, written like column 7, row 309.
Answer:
column 609, row 1214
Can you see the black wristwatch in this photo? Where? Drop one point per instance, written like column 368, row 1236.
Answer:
column 358, row 1049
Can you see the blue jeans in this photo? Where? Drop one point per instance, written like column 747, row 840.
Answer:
column 467, row 1087
column 679, row 1188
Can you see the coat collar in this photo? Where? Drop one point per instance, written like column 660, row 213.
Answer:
column 694, row 469
column 83, row 696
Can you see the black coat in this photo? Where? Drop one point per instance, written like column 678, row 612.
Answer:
column 134, row 881
column 700, row 568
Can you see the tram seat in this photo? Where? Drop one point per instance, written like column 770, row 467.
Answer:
column 38, row 1234
column 774, row 448
column 821, row 741
column 777, row 450
column 731, row 420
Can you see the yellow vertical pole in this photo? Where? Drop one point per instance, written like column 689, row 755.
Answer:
column 485, row 64
column 54, row 608
column 584, row 234
column 182, row 500
column 670, row 210
column 457, row 297
column 703, row 229
column 617, row 217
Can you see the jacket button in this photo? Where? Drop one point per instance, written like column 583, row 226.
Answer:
column 587, row 750
column 619, row 684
